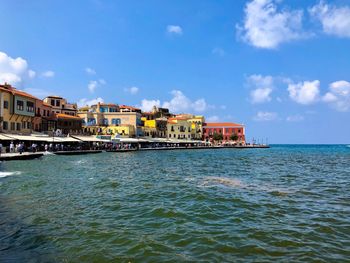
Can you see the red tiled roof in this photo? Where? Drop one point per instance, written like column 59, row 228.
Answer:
column 128, row 107
column 66, row 116
column 222, row 124
column 14, row 91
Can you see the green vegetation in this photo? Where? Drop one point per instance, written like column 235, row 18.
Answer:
column 217, row 137
column 234, row 137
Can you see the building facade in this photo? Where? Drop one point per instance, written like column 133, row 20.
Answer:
column 226, row 129
column 17, row 110
column 60, row 105
column 110, row 119
column 180, row 128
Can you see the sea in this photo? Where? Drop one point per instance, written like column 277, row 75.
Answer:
column 288, row 203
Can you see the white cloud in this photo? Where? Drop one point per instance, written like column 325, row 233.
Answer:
column 334, row 20
column 87, row 102
column 14, row 70
column 147, row 105
column 218, row 51
column 94, row 84
column 339, row 95
column 305, row 93
column 295, row 118
column 90, row 71
column 266, row 116
column 266, row 27
column 31, row 74
column 180, row 103
column 48, row 74
column 132, row 90
column 102, row 81
column 173, row 29
column 212, row 119
column 262, row 88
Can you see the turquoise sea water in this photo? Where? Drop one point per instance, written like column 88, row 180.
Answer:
column 285, row 204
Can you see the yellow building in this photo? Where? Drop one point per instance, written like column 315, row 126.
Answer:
column 154, row 128
column 17, row 110
column 179, row 128
column 196, row 122
column 110, row 119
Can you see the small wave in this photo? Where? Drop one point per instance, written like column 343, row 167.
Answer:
column 225, row 181
column 80, row 162
column 5, row 174
column 348, row 146
column 48, row 153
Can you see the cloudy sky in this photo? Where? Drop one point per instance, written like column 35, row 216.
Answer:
column 280, row 67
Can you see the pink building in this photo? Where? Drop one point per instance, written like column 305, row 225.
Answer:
column 227, row 129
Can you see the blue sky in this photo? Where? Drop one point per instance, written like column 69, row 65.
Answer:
column 282, row 68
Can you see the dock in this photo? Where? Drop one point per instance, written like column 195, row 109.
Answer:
column 121, row 150
column 18, row 156
column 206, row 148
column 79, row 152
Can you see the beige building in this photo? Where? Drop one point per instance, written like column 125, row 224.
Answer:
column 110, row 119
column 60, row 105
column 17, row 110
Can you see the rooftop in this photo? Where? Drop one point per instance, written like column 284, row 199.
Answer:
column 222, row 124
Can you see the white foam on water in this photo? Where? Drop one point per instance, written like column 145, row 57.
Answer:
column 224, row 181
column 48, row 153
column 80, row 162
column 5, row 174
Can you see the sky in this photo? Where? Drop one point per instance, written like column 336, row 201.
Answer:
column 281, row 68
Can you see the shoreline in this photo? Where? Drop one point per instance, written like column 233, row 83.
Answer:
column 36, row 155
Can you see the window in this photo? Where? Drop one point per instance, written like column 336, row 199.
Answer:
column 5, row 125
column 18, row 124
column 13, row 126
column 44, row 113
column 115, row 121
column 30, row 106
column 91, row 121
column 20, row 106
column 6, row 104
column 29, row 125
column 58, row 103
column 105, row 121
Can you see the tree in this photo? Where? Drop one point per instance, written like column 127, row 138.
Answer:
column 217, row 137
column 234, row 137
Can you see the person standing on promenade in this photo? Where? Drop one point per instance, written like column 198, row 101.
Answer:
column 0, row 148
column 46, row 147
column 12, row 146
column 20, row 148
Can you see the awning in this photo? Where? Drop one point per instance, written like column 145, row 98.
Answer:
column 88, row 138
column 5, row 138
column 33, row 138
column 26, row 138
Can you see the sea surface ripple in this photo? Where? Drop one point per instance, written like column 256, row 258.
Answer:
column 289, row 203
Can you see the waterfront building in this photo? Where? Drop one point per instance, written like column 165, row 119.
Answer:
column 196, row 124
column 156, row 113
column 226, row 129
column 67, row 124
column 111, row 119
column 60, row 105
column 180, row 128
column 155, row 128
column 44, row 119
column 17, row 110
